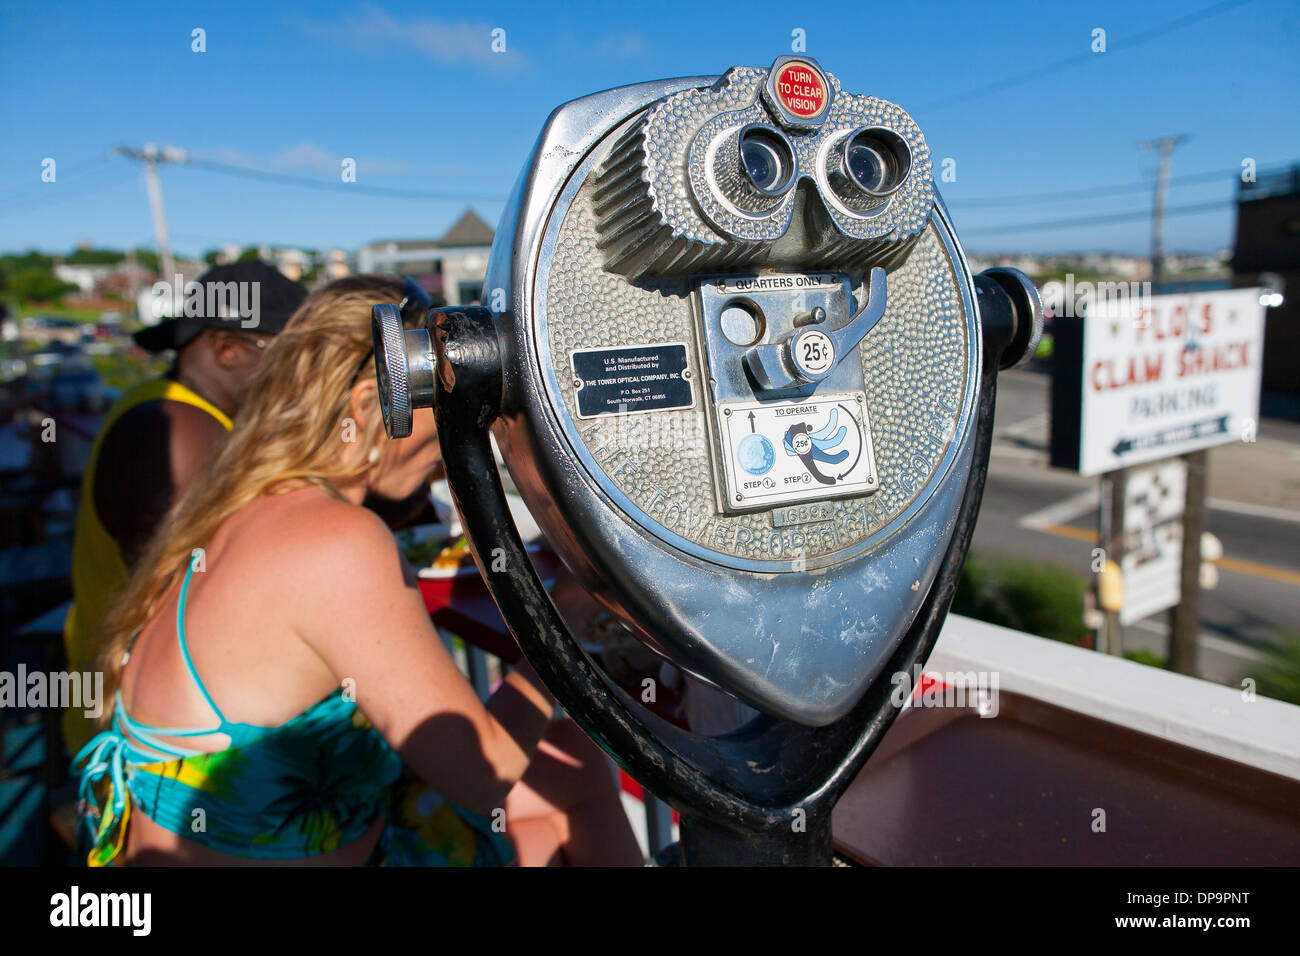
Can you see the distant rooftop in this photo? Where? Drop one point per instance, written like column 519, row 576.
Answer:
column 468, row 230
column 1279, row 181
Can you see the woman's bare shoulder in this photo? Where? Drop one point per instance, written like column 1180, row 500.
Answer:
column 319, row 533
column 341, row 579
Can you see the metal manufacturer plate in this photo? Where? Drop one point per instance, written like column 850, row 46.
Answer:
column 811, row 512
column 624, row 381
column 775, row 453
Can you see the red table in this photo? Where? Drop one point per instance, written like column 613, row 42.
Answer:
column 459, row 602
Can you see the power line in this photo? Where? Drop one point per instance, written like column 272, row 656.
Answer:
column 288, row 179
column 1017, row 79
column 1091, row 192
column 51, row 197
column 1097, row 220
column 67, row 172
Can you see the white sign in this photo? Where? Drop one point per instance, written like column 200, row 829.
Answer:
column 1169, row 374
column 1153, row 539
column 778, row 452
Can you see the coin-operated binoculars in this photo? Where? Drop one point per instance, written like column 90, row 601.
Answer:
column 742, row 377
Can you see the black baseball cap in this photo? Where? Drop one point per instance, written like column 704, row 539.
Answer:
column 248, row 296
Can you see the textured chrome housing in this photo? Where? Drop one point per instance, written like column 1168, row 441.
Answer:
column 661, row 216
column 800, row 633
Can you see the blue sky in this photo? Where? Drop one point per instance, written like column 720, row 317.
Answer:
column 415, row 95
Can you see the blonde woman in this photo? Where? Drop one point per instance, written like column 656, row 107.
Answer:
column 274, row 666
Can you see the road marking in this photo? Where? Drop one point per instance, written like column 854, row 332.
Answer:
column 1035, row 423
column 1053, row 518
column 1019, row 454
column 1259, row 570
column 1258, row 511
column 1211, row 642
column 1061, row 512
column 1227, row 564
column 1086, row 501
column 1065, row 531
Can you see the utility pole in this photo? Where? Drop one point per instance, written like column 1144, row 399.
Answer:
column 1166, row 146
column 1110, row 531
column 151, row 156
column 1185, row 616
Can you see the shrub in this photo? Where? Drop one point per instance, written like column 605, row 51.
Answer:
column 1042, row 599
column 1279, row 678
column 1144, row 656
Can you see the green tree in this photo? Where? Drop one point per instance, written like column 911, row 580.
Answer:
column 250, row 254
column 36, row 285
column 94, row 257
column 28, row 260
column 147, row 258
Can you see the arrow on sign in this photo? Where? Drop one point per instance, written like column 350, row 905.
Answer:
column 751, row 421
column 1170, row 436
column 861, row 442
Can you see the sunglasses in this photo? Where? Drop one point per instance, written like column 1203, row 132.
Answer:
column 259, row 344
column 415, row 303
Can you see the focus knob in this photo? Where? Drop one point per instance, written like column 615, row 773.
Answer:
column 1011, row 310
column 404, row 369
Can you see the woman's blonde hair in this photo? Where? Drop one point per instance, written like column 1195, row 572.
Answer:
column 290, row 427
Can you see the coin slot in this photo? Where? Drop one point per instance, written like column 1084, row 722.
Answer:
column 742, row 323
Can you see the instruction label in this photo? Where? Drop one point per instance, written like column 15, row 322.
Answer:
column 778, row 452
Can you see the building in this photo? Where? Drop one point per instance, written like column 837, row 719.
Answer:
column 1267, row 249
column 84, row 277
column 452, row 266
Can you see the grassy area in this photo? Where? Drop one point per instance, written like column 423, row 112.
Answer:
column 28, row 309
column 123, row 371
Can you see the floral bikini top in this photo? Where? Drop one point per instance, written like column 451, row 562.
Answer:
column 303, row 788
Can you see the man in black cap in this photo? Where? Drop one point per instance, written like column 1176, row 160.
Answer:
column 158, row 435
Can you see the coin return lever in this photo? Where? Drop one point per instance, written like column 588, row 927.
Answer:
column 809, row 352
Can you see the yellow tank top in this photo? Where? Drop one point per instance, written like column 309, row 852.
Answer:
column 98, row 569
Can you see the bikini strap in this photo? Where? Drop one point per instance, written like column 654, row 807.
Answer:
column 239, row 733
column 185, row 650
column 151, row 736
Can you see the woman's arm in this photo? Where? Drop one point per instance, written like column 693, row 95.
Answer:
column 362, row 612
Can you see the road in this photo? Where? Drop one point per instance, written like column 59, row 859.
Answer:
column 1033, row 511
